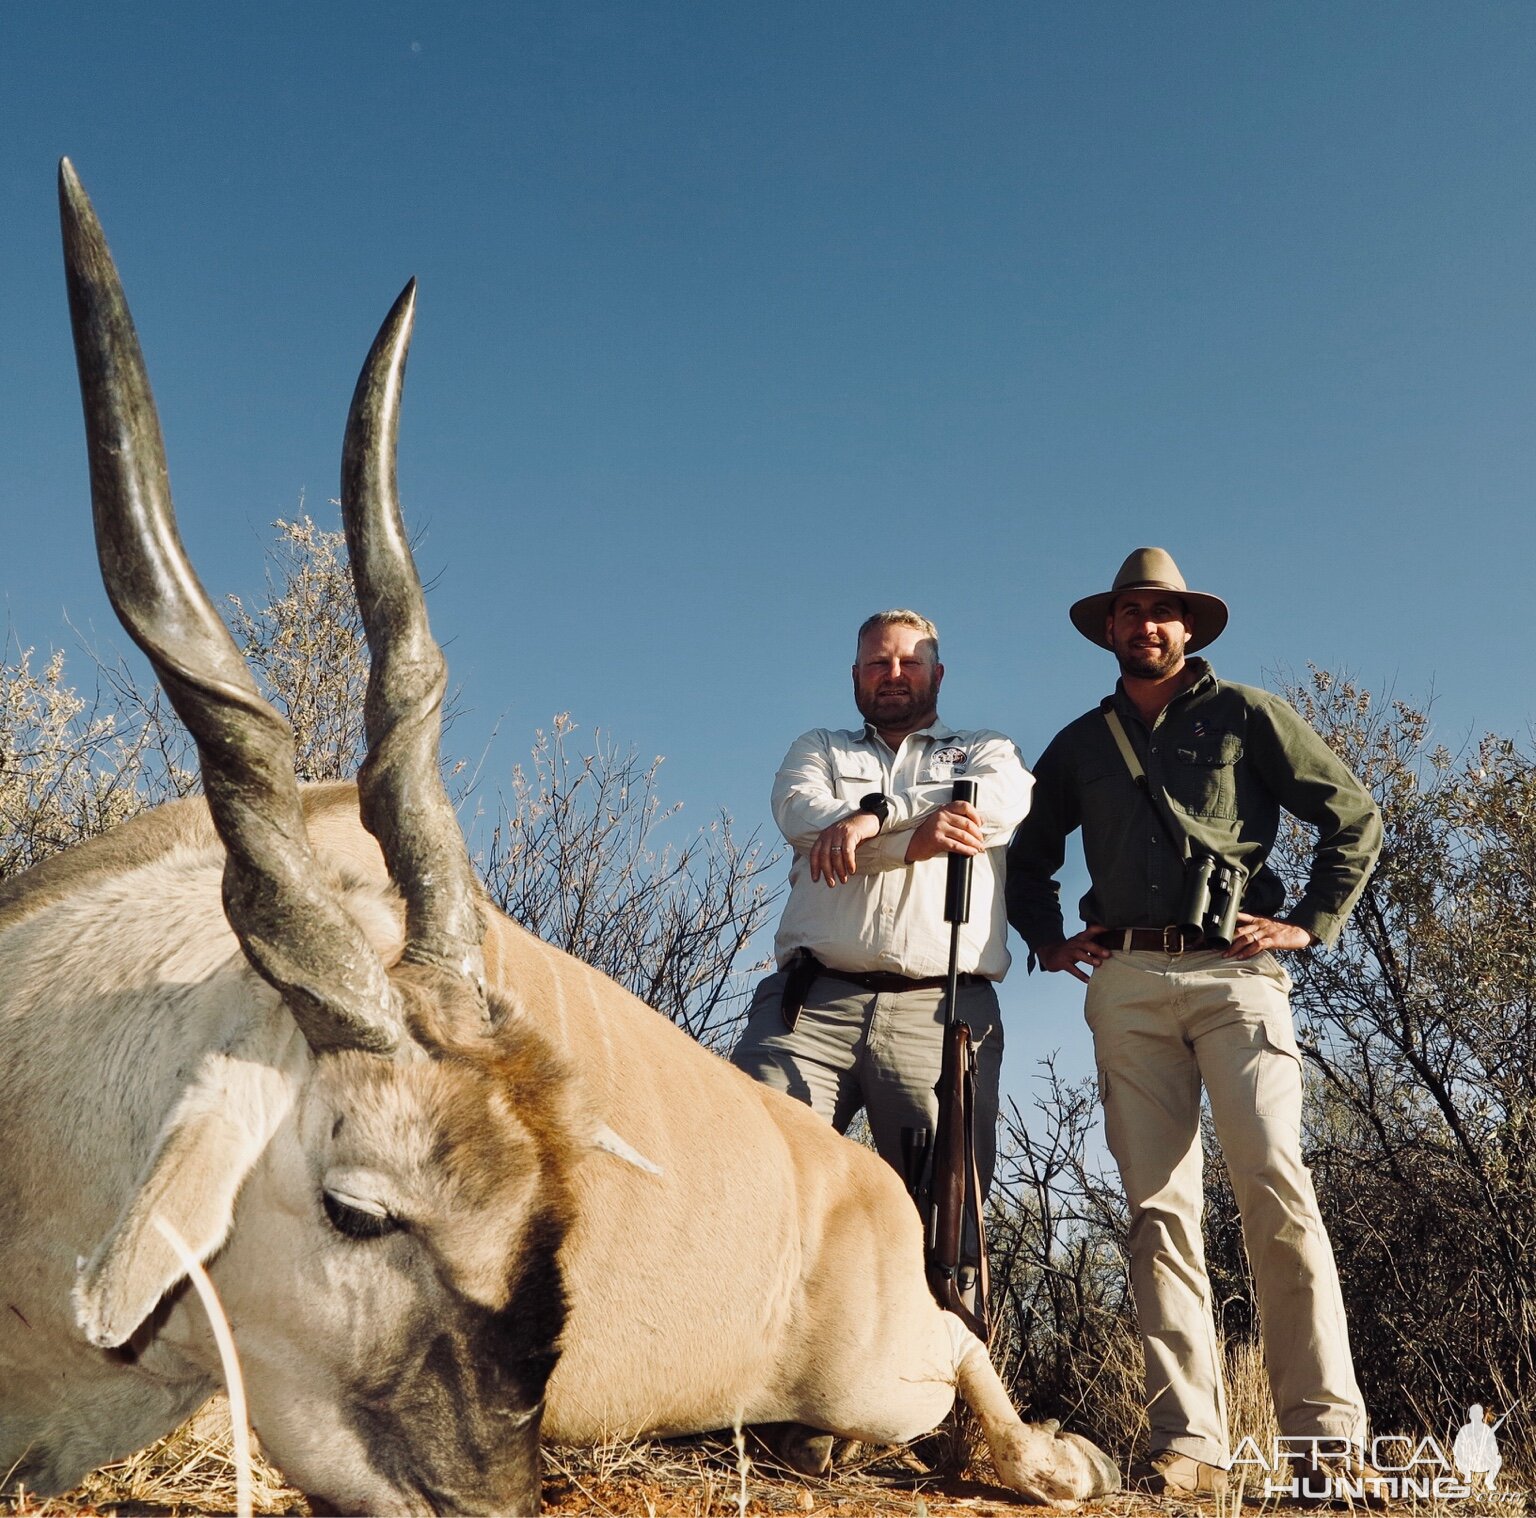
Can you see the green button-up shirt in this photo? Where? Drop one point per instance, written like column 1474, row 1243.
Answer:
column 1228, row 758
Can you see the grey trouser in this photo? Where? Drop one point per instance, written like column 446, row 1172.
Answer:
column 853, row 1048
column 1163, row 1024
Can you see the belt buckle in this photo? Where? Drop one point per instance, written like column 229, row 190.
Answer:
column 1177, row 946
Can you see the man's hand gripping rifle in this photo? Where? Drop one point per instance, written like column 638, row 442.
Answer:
column 953, row 1185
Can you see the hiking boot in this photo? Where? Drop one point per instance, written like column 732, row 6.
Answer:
column 1168, row 1473
column 1340, row 1481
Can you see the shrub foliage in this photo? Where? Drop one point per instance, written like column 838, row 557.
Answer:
column 1419, row 1030
column 583, row 850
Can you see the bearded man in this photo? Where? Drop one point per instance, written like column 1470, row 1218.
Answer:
column 1174, row 773
column 853, row 1017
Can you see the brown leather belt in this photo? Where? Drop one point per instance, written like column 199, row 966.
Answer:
column 888, row 980
column 1169, row 940
column 804, row 969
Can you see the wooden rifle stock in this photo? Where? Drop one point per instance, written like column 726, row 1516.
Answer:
column 954, row 1186
column 953, row 1183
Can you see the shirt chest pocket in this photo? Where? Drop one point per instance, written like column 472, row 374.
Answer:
column 855, row 781
column 1202, row 775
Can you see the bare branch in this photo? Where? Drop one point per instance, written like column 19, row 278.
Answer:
column 576, row 856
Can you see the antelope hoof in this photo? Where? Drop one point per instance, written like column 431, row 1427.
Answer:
column 805, row 1450
column 1054, row 1469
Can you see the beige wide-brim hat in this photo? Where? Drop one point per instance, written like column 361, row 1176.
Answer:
column 1152, row 569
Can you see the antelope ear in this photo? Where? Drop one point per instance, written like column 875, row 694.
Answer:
column 208, row 1146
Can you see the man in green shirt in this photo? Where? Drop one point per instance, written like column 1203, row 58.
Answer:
column 1198, row 768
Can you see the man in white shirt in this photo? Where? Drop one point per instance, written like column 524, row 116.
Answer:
column 862, row 947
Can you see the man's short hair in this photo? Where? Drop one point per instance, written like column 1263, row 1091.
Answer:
column 898, row 617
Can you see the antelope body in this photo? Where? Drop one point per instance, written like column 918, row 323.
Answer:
column 454, row 1188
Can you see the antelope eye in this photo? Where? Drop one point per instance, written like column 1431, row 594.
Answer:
column 355, row 1221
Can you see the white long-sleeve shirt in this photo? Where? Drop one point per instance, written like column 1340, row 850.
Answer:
column 890, row 915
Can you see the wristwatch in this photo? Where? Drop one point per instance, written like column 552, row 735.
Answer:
column 878, row 805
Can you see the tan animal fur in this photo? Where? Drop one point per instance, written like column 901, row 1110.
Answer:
column 448, row 1182
column 771, row 1272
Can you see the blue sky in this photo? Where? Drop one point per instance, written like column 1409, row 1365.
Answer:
column 738, row 322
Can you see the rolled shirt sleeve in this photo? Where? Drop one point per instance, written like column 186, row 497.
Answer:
column 1311, row 782
column 1224, row 760
column 806, row 796
column 1037, row 853
column 889, row 916
column 1003, row 790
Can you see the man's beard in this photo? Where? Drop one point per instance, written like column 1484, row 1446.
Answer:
column 1154, row 663
column 895, row 708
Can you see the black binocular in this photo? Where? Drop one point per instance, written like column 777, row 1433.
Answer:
column 1213, row 896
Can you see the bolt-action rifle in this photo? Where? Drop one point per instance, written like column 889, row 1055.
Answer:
column 953, row 1188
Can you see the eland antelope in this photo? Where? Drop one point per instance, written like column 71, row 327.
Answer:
column 455, row 1189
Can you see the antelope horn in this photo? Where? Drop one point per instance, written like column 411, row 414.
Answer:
column 290, row 925
column 404, row 802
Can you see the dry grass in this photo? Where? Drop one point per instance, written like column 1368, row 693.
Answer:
column 1110, row 1409
column 719, row 1475
column 715, row 1476
column 192, row 1471
column 189, row 1471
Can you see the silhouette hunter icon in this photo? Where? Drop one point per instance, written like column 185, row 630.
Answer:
column 1476, row 1451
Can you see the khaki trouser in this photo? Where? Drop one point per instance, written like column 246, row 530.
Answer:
column 1163, row 1024
column 853, row 1048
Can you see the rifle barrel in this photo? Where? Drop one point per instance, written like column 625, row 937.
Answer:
column 957, row 884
